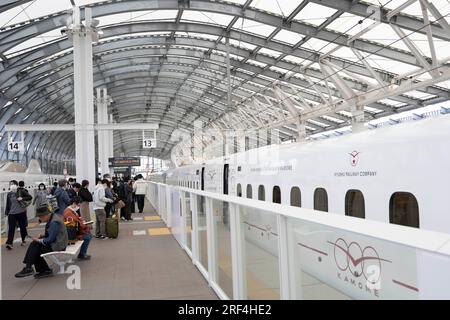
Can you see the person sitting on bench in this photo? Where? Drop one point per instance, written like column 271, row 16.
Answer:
column 55, row 239
column 84, row 230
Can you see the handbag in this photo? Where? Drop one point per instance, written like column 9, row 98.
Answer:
column 120, row 204
column 23, row 203
column 73, row 229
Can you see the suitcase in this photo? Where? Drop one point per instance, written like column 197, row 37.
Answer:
column 112, row 227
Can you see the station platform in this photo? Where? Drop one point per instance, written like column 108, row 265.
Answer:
column 144, row 262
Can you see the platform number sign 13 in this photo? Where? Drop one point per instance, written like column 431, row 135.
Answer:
column 15, row 146
column 149, row 143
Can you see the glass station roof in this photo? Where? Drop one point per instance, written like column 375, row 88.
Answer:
column 166, row 62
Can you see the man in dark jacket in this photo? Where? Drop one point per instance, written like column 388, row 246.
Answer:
column 16, row 211
column 74, row 191
column 54, row 239
column 61, row 196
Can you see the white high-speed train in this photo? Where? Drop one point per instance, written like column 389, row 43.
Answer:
column 398, row 174
column 32, row 176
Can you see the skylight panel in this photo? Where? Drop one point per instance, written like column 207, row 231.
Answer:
column 269, row 52
column 201, row 35
column 207, row 17
column 254, row 62
column 280, row 7
column 294, row 59
column 241, row 2
column 288, row 37
column 252, row 26
column 419, row 95
column 315, row 14
column 386, row 36
column 319, row 45
column 390, row 65
column 349, row 24
column 241, row 44
column 32, row 10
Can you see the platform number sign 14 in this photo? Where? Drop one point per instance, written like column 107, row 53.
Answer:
column 15, row 146
column 149, row 143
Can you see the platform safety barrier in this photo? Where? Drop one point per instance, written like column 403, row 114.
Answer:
column 251, row 249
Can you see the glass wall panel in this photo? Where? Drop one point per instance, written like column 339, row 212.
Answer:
column 261, row 254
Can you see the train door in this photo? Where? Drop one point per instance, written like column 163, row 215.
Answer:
column 202, row 179
column 226, row 173
column 225, row 208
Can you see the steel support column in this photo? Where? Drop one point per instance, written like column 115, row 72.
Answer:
column 82, row 37
column 103, row 136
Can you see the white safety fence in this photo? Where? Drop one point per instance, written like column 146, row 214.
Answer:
column 250, row 249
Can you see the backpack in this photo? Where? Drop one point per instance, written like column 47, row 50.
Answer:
column 52, row 204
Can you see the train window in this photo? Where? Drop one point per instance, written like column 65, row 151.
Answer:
column 276, row 197
column 354, row 204
column 261, row 193
column 296, row 197
column 196, row 185
column 321, row 200
column 249, row 191
column 239, row 190
column 404, row 209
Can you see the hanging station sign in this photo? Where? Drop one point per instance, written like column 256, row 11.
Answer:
column 16, row 146
column 148, row 140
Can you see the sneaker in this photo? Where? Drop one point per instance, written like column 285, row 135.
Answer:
column 44, row 274
column 9, row 246
column 24, row 243
column 24, row 273
column 86, row 257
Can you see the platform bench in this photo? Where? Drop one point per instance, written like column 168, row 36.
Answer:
column 61, row 258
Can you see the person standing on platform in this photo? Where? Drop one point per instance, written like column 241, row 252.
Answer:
column 140, row 189
column 61, row 196
column 86, row 197
column 40, row 198
column 16, row 211
column 100, row 201
column 74, row 191
column 55, row 186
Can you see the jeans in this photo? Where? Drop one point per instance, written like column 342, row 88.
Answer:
column 33, row 256
column 86, row 239
column 140, row 202
column 13, row 220
column 100, row 225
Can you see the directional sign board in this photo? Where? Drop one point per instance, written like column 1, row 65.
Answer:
column 149, row 143
column 125, row 162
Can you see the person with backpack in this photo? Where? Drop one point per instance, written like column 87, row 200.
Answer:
column 62, row 196
column 86, row 197
column 40, row 197
column 17, row 201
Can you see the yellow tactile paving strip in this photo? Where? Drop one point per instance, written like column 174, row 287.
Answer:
column 158, row 231
column 152, row 218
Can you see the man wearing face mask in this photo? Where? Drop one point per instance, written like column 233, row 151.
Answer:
column 61, row 196
column 16, row 212
column 84, row 233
